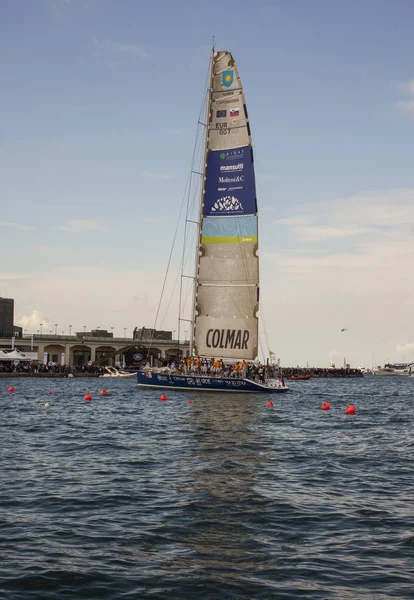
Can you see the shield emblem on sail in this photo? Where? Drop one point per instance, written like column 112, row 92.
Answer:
column 227, row 78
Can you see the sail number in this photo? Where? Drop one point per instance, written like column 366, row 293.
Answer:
column 223, row 128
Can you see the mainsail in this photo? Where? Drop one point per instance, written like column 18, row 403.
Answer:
column 225, row 322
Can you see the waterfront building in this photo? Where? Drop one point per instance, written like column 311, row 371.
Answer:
column 84, row 348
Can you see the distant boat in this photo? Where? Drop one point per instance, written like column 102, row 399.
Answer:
column 394, row 369
column 297, row 377
column 224, row 320
column 117, row 373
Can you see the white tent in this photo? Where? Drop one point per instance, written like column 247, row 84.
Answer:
column 14, row 355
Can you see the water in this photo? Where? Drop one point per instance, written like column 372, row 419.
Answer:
column 129, row 497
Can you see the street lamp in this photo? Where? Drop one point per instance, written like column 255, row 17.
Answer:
column 41, row 325
column 70, row 329
column 84, row 328
column 63, row 332
column 125, row 332
column 174, row 330
column 112, row 331
column 56, row 326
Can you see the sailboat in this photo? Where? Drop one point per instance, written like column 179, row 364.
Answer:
column 224, row 322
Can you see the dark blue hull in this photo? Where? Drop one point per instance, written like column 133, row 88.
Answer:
column 206, row 383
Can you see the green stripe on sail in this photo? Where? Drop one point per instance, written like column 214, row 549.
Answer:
column 228, row 240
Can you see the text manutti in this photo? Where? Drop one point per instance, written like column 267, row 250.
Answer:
column 238, row 167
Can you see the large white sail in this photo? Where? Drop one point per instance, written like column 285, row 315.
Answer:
column 227, row 278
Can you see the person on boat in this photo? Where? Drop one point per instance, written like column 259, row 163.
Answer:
column 236, row 370
column 197, row 365
column 244, row 369
column 261, row 374
column 216, row 367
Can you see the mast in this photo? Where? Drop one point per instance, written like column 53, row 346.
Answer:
column 202, row 193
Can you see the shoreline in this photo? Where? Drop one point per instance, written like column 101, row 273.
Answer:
column 50, row 375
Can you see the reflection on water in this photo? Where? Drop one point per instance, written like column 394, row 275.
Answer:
column 226, row 459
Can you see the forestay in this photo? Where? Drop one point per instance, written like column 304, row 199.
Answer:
column 227, row 278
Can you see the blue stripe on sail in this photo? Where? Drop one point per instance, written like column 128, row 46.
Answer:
column 230, row 226
column 230, row 183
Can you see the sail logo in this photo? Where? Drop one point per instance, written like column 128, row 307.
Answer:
column 238, row 167
column 234, row 112
column 227, row 78
column 235, row 339
column 231, row 155
column 227, row 204
column 237, row 179
column 221, row 114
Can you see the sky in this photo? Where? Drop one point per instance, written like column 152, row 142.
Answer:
column 100, row 101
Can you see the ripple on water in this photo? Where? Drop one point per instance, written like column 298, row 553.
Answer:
column 128, row 497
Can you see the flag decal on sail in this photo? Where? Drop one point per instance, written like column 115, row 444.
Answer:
column 234, row 112
column 221, row 114
column 227, row 78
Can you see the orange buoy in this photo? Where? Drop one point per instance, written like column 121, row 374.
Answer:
column 269, row 403
column 163, row 397
column 88, row 397
column 11, row 389
column 350, row 410
column 326, row 406
column 103, row 393
column 191, row 402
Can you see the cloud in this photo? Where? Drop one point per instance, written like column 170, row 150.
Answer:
column 125, row 50
column 406, row 107
column 20, row 226
column 404, row 348
column 361, row 215
column 33, row 320
column 160, row 176
column 80, row 225
column 109, row 297
column 8, row 277
column 59, row 6
column 344, row 261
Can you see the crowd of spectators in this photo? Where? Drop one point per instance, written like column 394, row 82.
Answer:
column 36, row 368
column 317, row 372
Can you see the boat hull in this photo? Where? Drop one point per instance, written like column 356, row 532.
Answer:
column 206, row 383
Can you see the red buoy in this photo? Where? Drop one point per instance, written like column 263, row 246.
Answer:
column 103, row 393
column 350, row 410
column 163, row 397
column 191, row 402
column 11, row 389
column 50, row 393
column 325, row 406
column 88, row 397
column 269, row 403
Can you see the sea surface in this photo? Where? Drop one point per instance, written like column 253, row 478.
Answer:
column 128, row 497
